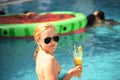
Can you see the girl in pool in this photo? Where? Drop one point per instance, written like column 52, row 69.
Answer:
column 47, row 67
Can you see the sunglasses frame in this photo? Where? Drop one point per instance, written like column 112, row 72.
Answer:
column 47, row 40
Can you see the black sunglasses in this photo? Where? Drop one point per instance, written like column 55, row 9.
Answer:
column 48, row 39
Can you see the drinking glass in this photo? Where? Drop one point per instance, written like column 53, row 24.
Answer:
column 77, row 54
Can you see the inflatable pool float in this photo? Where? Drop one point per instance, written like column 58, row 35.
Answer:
column 64, row 22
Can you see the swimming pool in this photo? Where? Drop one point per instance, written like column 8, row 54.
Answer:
column 101, row 57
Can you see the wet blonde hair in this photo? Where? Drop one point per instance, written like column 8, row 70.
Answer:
column 37, row 33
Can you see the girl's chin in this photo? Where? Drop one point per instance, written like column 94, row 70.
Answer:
column 51, row 51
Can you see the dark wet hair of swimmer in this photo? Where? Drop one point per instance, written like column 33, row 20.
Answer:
column 91, row 19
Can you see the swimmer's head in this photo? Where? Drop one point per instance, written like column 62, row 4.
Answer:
column 99, row 14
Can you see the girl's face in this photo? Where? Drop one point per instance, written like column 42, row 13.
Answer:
column 46, row 40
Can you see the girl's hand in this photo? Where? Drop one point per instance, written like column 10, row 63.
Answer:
column 76, row 71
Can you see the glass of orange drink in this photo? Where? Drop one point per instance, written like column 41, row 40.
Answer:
column 78, row 55
column 77, row 61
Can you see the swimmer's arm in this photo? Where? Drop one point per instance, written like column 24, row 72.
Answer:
column 50, row 70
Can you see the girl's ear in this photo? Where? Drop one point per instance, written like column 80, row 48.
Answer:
column 37, row 40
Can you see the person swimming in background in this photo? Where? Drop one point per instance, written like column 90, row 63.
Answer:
column 32, row 15
column 47, row 67
column 101, row 21
column 28, row 15
column 98, row 19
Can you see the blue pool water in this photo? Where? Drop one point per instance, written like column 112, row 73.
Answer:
column 101, row 59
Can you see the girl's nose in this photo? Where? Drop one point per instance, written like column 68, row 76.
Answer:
column 53, row 42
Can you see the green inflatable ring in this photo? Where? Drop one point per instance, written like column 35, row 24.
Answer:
column 62, row 26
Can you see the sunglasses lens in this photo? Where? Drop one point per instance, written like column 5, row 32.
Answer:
column 56, row 38
column 47, row 40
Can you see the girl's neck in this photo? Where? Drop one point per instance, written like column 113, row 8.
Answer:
column 46, row 52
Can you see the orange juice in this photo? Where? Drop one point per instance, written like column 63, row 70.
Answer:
column 78, row 54
column 77, row 61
